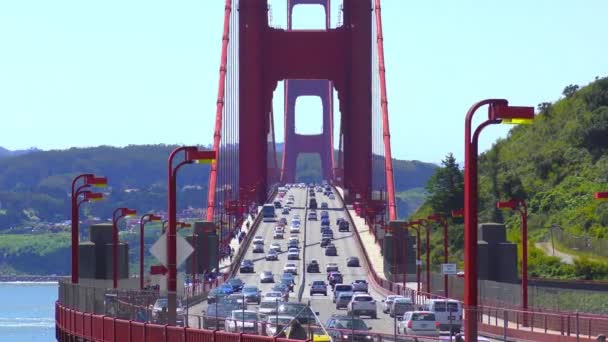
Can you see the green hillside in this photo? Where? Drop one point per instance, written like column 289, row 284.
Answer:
column 555, row 164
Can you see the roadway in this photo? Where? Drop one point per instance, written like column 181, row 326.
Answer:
column 310, row 237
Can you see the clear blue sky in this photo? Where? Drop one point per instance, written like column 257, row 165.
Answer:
column 85, row 73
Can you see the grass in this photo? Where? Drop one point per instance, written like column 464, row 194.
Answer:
column 579, row 253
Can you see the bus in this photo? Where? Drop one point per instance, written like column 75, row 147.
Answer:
column 268, row 214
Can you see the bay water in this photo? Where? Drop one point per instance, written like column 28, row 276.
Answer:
column 27, row 311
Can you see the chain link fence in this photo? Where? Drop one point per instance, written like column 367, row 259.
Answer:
column 586, row 244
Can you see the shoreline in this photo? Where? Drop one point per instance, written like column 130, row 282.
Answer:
column 30, row 278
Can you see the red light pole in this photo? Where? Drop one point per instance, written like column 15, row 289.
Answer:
column 117, row 215
column 405, row 257
column 417, row 229
column 191, row 154
column 444, row 222
column 424, row 223
column 499, row 111
column 601, row 196
column 142, row 221
column 522, row 208
column 89, row 180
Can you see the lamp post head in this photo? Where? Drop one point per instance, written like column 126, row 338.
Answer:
column 200, row 157
column 435, row 218
column 183, row 224
column 155, row 217
column 511, row 114
column 416, row 222
column 457, row 213
column 510, row 204
column 126, row 212
column 601, row 196
column 96, row 181
column 93, row 196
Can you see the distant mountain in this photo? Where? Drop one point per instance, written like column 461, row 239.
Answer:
column 8, row 153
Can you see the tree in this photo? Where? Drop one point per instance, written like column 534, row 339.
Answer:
column 446, row 187
column 570, row 90
column 544, row 107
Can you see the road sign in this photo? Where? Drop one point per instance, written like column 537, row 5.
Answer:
column 159, row 249
column 161, row 281
column 418, row 262
column 448, row 269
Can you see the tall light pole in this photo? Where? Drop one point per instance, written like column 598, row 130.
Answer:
column 88, row 180
column 499, row 111
column 424, row 223
column 142, row 221
column 444, row 222
column 191, row 154
column 412, row 224
column 117, row 215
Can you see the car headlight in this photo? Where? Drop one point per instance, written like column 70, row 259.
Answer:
column 344, row 336
column 368, row 337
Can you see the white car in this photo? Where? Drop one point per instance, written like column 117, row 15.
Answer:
column 291, row 268
column 266, row 277
column 278, row 235
column 293, row 254
column 258, row 248
column 331, row 267
column 276, row 324
column 258, row 239
column 362, row 304
column 419, row 323
column 269, row 306
column 245, row 321
column 388, row 302
column 289, row 201
column 331, row 197
column 275, row 247
column 294, row 229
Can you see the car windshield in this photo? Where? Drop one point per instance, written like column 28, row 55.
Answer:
column 440, row 307
column 268, row 304
column 318, row 282
column 426, row 316
column 345, row 296
column 363, row 299
column 235, row 281
column 281, row 320
column 250, row 289
column 354, row 324
column 297, row 310
column 247, row 315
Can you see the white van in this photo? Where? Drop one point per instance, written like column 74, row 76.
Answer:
column 448, row 313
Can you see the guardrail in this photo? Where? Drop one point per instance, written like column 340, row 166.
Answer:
column 503, row 322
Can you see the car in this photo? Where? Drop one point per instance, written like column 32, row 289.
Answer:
column 290, row 201
column 335, row 278
column 327, row 236
column 246, row 266
column 331, row 196
column 339, row 219
column 159, row 310
column 362, row 304
column 293, row 244
column 324, row 205
column 360, row 285
column 312, row 216
column 277, row 235
column 273, row 295
column 341, row 288
column 312, row 203
column 239, row 299
column 272, row 255
column 275, row 247
column 288, row 280
column 217, row 294
column 296, row 221
column 325, row 241
column 331, row 267
column 319, row 189
column 343, row 226
column 293, row 254
column 448, row 313
column 282, row 221
column 419, row 323
column 343, row 298
column 236, row 283
column 313, row 266
column 291, row 268
column 347, row 328
column 283, row 289
column 294, row 229
column 242, row 321
column 258, row 248
column 266, row 277
column 215, row 315
column 285, row 210
column 258, row 240
column 277, row 204
column 325, row 221
column 300, row 311
column 388, row 301
column 276, row 324
column 226, row 288
column 324, row 214
column 352, row 261
column 331, row 250
column 252, row 294
column 401, row 306
column 268, row 306
column 318, row 286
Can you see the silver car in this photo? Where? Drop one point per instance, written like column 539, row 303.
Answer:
column 266, row 277
column 388, row 301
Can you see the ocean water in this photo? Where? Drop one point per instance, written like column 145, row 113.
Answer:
column 27, row 311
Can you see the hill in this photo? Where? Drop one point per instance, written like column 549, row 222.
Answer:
column 555, row 164
column 35, row 206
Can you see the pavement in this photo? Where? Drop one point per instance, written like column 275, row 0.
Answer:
column 564, row 257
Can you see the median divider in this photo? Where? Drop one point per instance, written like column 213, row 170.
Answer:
column 303, row 277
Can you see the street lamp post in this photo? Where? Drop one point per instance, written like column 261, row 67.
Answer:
column 424, row 223
column 88, row 180
column 142, row 221
column 499, row 111
column 117, row 215
column 191, row 154
column 522, row 208
column 444, row 222
column 405, row 250
column 417, row 229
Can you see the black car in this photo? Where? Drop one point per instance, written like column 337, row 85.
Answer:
column 352, row 262
column 236, row 283
column 339, row 219
column 216, row 295
column 335, row 278
column 325, row 221
column 324, row 205
column 343, row 226
column 313, row 267
column 312, row 203
column 347, row 328
column 246, row 266
column 215, row 315
column 325, row 241
column 289, row 282
column 331, row 250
